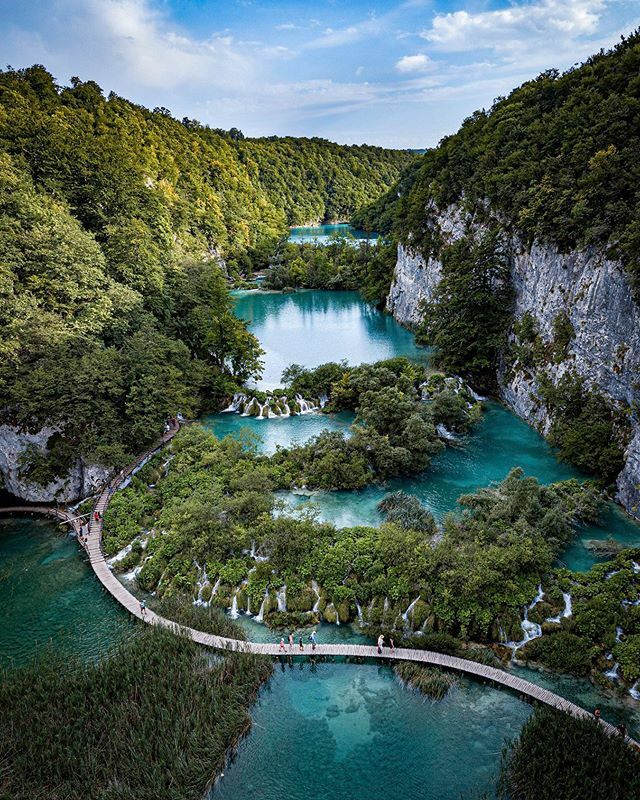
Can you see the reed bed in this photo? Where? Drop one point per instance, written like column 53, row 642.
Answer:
column 153, row 720
column 433, row 683
column 558, row 757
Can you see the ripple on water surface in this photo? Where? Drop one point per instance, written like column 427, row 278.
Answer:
column 48, row 593
column 345, row 731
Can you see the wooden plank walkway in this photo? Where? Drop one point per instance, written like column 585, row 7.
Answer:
column 525, row 689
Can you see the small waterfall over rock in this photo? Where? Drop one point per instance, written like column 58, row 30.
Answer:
column 443, row 433
column 360, row 616
column 613, row 673
column 634, row 691
column 201, row 583
column 409, row 612
column 619, row 634
column 259, row 617
column 281, row 597
column 566, row 612
column 234, row 613
column 635, row 567
column 531, row 630
column 237, row 404
column 316, row 590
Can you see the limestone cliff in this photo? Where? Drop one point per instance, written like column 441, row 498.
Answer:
column 15, row 447
column 591, row 290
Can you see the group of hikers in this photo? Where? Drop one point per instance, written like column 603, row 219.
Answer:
column 314, row 641
column 312, row 638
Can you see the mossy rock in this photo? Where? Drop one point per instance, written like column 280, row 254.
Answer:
column 541, row 611
column 303, row 600
column 330, row 614
column 206, row 593
column 344, row 611
column 242, row 598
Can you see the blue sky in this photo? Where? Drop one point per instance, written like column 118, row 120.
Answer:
column 400, row 74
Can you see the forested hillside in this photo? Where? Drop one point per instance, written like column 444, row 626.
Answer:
column 114, row 221
column 559, row 158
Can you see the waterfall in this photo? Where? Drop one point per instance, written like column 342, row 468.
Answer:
column 566, row 612
column 202, row 582
column 260, row 615
column 627, row 603
column 477, row 397
column 612, row 673
column 634, row 691
column 234, row 606
column 316, row 591
column 409, row 611
column 281, row 597
column 531, row 630
column 443, row 433
column 635, row 567
column 359, row 610
column 305, row 406
column 248, row 611
column 323, row 400
column 216, row 586
column 120, row 555
column 610, row 575
column 237, row 403
column 619, row 633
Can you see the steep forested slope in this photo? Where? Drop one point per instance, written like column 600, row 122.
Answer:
column 559, row 158
column 114, row 220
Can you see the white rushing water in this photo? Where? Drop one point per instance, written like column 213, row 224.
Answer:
column 567, row 610
column 316, row 591
column 274, row 406
column 409, row 611
column 234, row 613
column 613, row 673
column 281, row 597
column 634, row 691
column 531, row 630
column 259, row 617
column 359, row 610
column 443, row 433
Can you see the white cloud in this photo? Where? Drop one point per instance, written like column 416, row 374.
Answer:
column 549, row 22
column 417, row 63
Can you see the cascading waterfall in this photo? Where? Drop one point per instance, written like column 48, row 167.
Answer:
column 566, row 612
column 443, row 433
column 613, row 673
column 360, row 616
column 635, row 567
column 259, row 617
column 409, row 611
column 316, row 590
column 281, row 597
column 531, row 630
column 202, row 582
column 274, row 406
column 619, row 634
column 234, row 613
column 237, row 404
column 634, row 691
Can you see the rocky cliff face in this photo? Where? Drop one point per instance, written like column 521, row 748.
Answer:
column 586, row 286
column 81, row 480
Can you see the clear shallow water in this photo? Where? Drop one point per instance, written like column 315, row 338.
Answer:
column 313, row 327
column 323, row 234
column 340, row 731
column 48, row 594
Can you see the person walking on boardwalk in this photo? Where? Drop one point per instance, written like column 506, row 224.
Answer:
column 291, row 640
column 392, row 646
column 301, row 643
column 282, row 645
column 380, row 644
column 143, row 608
column 314, row 641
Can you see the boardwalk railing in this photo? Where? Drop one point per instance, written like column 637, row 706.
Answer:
column 93, row 546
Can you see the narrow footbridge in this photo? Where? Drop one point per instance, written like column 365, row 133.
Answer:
column 93, row 545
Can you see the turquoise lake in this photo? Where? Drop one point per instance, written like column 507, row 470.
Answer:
column 312, row 327
column 336, row 729
column 323, row 234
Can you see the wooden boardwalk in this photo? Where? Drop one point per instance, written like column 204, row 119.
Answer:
column 525, row 689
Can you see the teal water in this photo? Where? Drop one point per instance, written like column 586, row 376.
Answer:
column 49, row 595
column 313, row 327
column 323, row 234
column 337, row 731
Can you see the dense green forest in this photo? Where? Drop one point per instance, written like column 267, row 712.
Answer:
column 114, row 306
